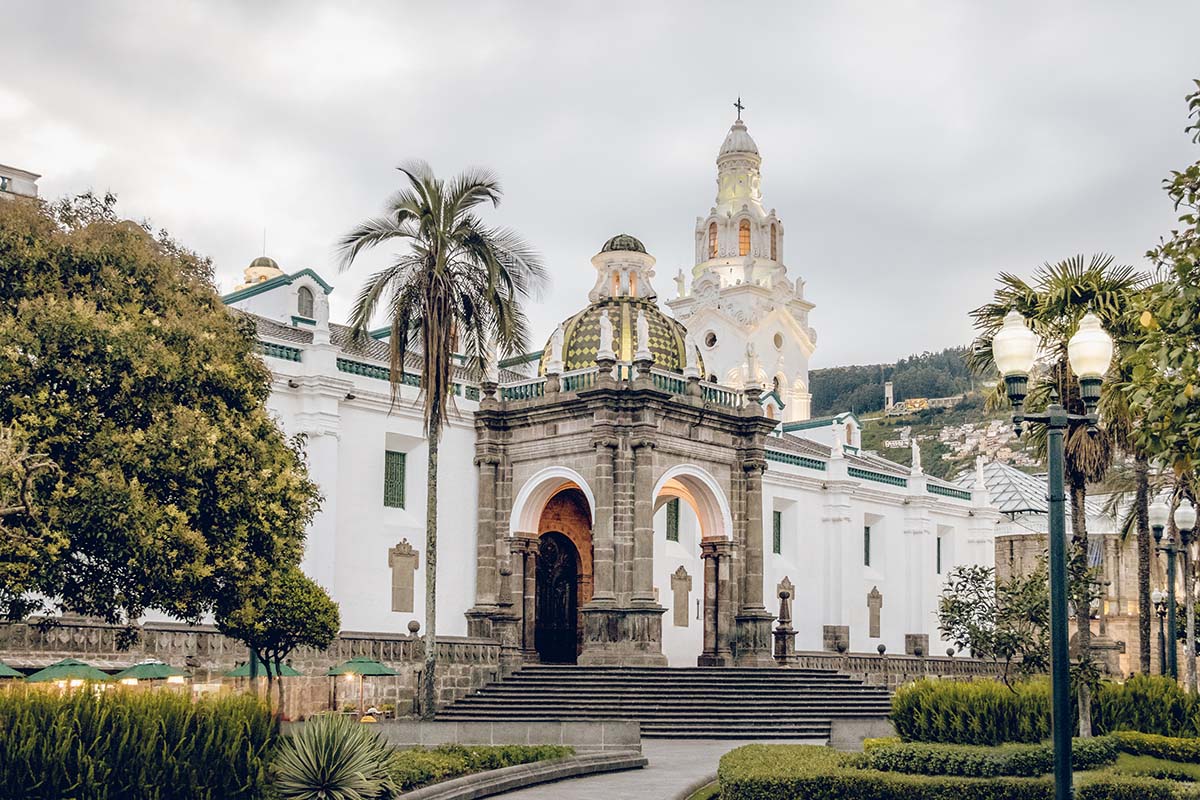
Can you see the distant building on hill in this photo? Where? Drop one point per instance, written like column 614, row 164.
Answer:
column 17, row 182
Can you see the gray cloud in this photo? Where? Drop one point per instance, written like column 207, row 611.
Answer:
column 914, row 149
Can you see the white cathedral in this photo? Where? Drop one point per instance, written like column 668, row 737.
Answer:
column 642, row 489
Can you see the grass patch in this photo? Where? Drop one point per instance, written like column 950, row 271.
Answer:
column 1151, row 767
column 710, row 792
column 412, row 769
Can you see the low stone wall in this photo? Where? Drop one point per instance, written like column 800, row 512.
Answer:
column 893, row 671
column 464, row 663
column 584, row 736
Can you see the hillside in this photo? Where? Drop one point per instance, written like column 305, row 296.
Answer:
column 859, row 388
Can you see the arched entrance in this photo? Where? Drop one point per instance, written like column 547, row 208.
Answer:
column 556, row 635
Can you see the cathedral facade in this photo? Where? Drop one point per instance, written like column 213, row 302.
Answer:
column 643, row 490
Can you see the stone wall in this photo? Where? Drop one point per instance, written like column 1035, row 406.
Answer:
column 464, row 663
column 896, row 670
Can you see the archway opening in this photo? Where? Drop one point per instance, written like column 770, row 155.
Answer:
column 564, row 574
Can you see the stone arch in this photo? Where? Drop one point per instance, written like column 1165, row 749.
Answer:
column 536, row 493
column 700, row 490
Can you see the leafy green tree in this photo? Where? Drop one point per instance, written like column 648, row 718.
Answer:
column 172, row 485
column 456, row 287
column 284, row 611
column 1005, row 622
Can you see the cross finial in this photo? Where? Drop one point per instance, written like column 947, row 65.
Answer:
column 738, row 105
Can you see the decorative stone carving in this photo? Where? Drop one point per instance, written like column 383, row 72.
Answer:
column 605, row 351
column 874, row 604
column 785, row 635
column 403, row 560
column 681, row 587
column 555, row 365
column 916, row 457
column 916, row 644
column 643, row 338
column 833, row 635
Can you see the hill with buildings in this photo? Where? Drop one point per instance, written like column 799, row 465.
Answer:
column 860, row 388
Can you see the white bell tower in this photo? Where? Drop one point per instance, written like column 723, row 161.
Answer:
column 742, row 309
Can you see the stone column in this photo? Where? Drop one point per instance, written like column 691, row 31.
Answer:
column 753, row 621
column 486, row 574
column 718, row 602
column 524, row 548
column 603, row 547
column 643, row 521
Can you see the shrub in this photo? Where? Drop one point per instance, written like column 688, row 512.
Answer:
column 972, row 712
column 1150, row 744
column 1149, row 704
column 135, row 745
column 411, row 769
column 1027, row 760
column 333, row 757
column 1124, row 787
column 1151, row 767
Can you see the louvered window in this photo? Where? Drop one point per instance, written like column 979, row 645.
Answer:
column 393, row 479
column 777, row 532
column 673, row 519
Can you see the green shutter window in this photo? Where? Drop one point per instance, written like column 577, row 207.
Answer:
column 673, row 519
column 777, row 532
column 866, row 545
column 393, row 479
column 939, row 555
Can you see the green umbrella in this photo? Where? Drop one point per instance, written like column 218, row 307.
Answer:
column 361, row 665
column 150, row 671
column 8, row 672
column 69, row 669
column 243, row 671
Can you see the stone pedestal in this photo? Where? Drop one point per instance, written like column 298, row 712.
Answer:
column 753, row 646
column 479, row 621
column 916, row 644
column 622, row 636
column 832, row 635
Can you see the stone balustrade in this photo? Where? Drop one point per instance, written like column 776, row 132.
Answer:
column 896, row 670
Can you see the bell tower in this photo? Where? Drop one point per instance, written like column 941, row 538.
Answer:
column 745, row 313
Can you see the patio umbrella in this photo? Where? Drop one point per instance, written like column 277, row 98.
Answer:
column 361, row 666
column 8, row 672
column 150, row 671
column 69, row 669
column 243, row 671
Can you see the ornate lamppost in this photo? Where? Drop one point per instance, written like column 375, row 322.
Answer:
column 1089, row 352
column 1160, row 513
column 1159, row 598
column 1185, row 523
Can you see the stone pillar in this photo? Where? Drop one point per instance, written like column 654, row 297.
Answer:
column 603, row 547
column 643, row 521
column 785, row 634
column 718, row 604
column 753, row 620
column 524, row 548
column 486, row 572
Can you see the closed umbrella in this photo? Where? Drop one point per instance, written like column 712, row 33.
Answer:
column 69, row 669
column 361, row 666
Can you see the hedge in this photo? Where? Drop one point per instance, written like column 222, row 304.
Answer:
column 1148, row 704
column 132, row 746
column 1151, row 744
column 1151, row 767
column 789, row 772
column 1014, row 760
column 412, row 769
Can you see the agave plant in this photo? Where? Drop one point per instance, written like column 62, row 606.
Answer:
column 333, row 757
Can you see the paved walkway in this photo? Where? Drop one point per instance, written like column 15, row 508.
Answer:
column 674, row 764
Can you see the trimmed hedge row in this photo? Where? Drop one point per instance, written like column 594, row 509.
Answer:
column 1013, row 760
column 132, row 746
column 412, row 769
column 788, row 772
column 1151, row 744
column 987, row 712
column 1151, row 767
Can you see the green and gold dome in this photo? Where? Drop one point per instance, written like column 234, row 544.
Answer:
column 623, row 288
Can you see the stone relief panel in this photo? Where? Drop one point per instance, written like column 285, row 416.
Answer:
column 681, row 587
column 403, row 560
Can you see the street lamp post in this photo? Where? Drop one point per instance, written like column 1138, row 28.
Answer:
column 1160, row 513
column 1089, row 352
column 1185, row 522
column 1159, row 598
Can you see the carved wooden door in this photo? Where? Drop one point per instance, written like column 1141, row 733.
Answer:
column 557, row 597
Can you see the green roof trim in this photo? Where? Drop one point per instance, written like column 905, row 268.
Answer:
column 265, row 286
column 822, row 422
column 522, row 359
column 380, row 333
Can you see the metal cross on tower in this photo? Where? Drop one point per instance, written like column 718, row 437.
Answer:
column 738, row 105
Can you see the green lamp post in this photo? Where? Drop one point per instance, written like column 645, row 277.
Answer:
column 1160, row 513
column 1089, row 352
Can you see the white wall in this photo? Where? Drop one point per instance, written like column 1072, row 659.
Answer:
column 681, row 645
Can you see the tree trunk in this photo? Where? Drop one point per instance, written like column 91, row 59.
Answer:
column 1189, row 584
column 278, row 664
column 1142, row 501
column 429, row 689
column 1083, row 608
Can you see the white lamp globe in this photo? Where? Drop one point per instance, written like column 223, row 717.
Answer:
column 1090, row 350
column 1014, row 346
column 1160, row 513
column 1185, row 516
column 1157, row 596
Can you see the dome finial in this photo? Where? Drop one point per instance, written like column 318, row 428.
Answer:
column 740, row 108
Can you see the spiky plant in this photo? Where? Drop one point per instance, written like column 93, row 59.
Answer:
column 333, row 757
column 456, row 287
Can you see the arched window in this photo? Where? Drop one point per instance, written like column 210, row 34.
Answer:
column 744, row 238
column 774, row 244
column 712, row 240
column 304, row 302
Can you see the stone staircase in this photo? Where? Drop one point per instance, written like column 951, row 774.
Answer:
column 691, row 702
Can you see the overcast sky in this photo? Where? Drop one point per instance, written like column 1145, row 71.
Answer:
column 914, row 149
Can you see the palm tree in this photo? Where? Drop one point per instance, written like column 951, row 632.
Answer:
column 456, row 287
column 1053, row 303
